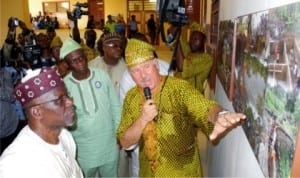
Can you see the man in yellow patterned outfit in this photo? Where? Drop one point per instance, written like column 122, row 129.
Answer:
column 164, row 126
column 193, row 63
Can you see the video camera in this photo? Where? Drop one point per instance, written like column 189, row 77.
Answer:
column 32, row 51
column 172, row 11
column 78, row 12
column 13, row 22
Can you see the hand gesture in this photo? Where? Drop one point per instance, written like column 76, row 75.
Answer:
column 70, row 16
column 224, row 123
column 12, row 22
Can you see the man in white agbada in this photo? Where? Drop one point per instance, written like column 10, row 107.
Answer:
column 43, row 148
column 110, row 60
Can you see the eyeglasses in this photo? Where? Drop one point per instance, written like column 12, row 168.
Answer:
column 61, row 100
column 112, row 45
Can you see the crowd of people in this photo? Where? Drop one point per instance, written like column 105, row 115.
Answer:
column 86, row 111
column 44, row 21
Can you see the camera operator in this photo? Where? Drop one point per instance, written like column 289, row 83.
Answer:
column 90, row 35
column 192, row 63
column 189, row 61
column 12, row 51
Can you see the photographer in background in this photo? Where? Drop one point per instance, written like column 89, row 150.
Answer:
column 193, row 64
column 27, row 54
column 12, row 53
column 11, row 71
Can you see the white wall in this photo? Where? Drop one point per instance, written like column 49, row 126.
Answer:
column 235, row 8
column 233, row 156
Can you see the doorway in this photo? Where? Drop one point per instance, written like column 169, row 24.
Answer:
column 142, row 10
column 96, row 9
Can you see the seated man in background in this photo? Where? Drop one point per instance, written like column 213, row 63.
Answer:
column 162, row 119
column 43, row 148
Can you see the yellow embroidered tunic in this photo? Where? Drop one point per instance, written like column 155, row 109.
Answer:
column 167, row 146
column 196, row 66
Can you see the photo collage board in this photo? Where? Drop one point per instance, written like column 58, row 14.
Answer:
column 258, row 66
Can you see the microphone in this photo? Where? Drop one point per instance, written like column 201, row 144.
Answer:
column 147, row 93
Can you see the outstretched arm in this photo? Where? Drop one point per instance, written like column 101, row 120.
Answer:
column 11, row 34
column 223, row 121
column 75, row 30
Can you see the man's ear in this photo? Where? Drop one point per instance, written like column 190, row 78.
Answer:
column 36, row 112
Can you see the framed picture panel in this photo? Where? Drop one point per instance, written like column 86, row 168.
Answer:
column 266, row 84
column 226, row 55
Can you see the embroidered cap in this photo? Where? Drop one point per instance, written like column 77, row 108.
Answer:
column 56, row 42
column 37, row 83
column 114, row 36
column 68, row 46
column 195, row 26
column 137, row 52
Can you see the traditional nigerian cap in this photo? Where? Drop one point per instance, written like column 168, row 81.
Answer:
column 68, row 46
column 114, row 36
column 36, row 83
column 195, row 26
column 56, row 42
column 137, row 52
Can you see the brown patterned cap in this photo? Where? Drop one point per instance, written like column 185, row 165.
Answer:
column 114, row 36
column 37, row 83
column 137, row 52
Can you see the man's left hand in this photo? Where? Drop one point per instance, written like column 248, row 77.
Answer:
column 224, row 123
